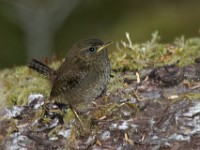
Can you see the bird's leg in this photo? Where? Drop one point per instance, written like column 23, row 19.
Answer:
column 77, row 116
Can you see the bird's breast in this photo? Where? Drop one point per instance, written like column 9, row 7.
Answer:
column 94, row 83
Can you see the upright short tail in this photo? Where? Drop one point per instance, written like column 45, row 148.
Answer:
column 40, row 68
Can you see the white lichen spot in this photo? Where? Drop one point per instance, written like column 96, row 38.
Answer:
column 179, row 137
column 124, row 126
column 193, row 110
column 105, row 135
column 65, row 133
column 113, row 126
column 14, row 112
column 35, row 100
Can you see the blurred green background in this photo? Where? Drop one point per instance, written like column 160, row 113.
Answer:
column 40, row 28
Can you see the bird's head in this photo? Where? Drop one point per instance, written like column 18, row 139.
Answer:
column 90, row 49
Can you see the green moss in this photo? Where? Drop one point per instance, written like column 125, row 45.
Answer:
column 152, row 53
column 115, row 82
column 20, row 82
column 191, row 96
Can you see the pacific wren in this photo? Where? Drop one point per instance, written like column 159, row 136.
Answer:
column 83, row 75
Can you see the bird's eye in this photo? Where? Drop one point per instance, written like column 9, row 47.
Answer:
column 92, row 49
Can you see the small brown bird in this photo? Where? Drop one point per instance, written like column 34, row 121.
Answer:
column 84, row 74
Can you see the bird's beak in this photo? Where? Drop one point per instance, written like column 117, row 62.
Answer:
column 104, row 46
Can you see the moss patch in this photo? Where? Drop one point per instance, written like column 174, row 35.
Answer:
column 138, row 56
column 19, row 82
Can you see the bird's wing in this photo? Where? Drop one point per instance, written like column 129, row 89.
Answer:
column 67, row 81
